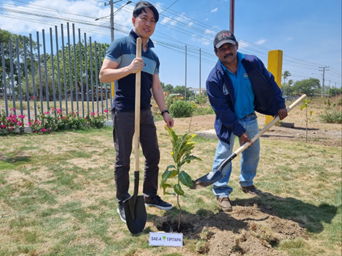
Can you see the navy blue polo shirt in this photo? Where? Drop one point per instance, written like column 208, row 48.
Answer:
column 123, row 51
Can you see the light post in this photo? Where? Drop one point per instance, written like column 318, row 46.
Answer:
column 111, row 3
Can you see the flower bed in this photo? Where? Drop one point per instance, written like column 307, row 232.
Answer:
column 50, row 121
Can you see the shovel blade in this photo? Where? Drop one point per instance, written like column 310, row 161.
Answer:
column 207, row 180
column 136, row 215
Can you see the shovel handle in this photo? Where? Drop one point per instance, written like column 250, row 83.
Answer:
column 137, row 108
column 246, row 145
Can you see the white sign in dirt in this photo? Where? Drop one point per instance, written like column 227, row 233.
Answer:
column 166, row 239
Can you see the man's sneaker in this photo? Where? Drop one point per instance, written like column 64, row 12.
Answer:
column 157, row 202
column 252, row 190
column 121, row 212
column 225, row 204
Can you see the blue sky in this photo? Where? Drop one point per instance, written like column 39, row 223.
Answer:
column 307, row 31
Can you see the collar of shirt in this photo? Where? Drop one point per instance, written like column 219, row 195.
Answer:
column 135, row 36
column 240, row 57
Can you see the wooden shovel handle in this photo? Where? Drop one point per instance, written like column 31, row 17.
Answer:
column 137, row 108
column 274, row 121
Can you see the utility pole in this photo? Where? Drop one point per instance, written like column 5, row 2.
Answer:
column 111, row 21
column 186, row 53
column 323, row 69
column 200, row 60
column 231, row 16
column 111, row 3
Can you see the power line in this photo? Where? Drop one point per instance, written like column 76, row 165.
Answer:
column 180, row 26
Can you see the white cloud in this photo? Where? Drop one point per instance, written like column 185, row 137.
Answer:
column 165, row 20
column 243, row 44
column 209, row 32
column 72, row 11
column 203, row 41
column 261, row 41
column 214, row 10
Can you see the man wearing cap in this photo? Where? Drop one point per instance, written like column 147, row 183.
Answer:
column 237, row 86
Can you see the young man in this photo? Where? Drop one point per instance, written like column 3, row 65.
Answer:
column 238, row 86
column 121, row 65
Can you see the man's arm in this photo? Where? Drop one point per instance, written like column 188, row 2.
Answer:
column 109, row 71
column 158, row 95
column 282, row 111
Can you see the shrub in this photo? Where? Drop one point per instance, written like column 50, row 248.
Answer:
column 12, row 123
column 200, row 100
column 204, row 111
column 181, row 108
column 50, row 121
column 339, row 103
column 331, row 116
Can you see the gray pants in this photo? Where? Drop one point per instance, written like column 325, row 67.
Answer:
column 123, row 131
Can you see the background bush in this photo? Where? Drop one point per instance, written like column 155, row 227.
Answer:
column 331, row 116
column 181, row 108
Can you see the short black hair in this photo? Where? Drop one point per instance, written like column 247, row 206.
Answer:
column 141, row 6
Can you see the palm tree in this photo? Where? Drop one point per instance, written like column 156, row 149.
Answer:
column 286, row 75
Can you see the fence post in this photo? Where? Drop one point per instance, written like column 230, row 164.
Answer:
column 275, row 61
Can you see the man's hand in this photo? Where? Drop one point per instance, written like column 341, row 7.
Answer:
column 282, row 113
column 136, row 65
column 168, row 120
column 244, row 138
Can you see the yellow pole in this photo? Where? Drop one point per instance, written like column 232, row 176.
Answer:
column 274, row 65
column 113, row 89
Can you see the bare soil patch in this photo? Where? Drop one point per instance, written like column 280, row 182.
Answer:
column 251, row 229
column 316, row 132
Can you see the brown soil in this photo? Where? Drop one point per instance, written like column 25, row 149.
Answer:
column 314, row 132
column 252, row 228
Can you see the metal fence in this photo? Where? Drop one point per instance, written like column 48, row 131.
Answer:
column 61, row 74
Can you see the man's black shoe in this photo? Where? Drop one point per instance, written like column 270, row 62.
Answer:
column 121, row 212
column 157, row 202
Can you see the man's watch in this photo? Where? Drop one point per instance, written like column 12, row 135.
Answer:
column 164, row 111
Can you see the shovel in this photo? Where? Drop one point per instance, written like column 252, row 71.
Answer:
column 212, row 177
column 134, row 206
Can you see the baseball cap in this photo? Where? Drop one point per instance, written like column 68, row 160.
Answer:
column 224, row 37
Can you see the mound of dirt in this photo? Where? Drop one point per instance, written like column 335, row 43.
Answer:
column 248, row 230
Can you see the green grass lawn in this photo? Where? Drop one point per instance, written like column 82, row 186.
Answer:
column 57, row 194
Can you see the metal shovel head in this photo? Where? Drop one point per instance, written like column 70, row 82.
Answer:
column 136, row 215
column 207, row 180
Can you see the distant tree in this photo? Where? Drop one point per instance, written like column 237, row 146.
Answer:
column 5, row 39
column 307, row 86
column 286, row 75
column 334, row 91
column 181, row 89
column 168, row 88
column 286, row 88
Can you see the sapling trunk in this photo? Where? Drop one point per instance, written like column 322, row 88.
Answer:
column 180, row 213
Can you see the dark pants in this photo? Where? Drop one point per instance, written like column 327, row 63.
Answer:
column 123, row 123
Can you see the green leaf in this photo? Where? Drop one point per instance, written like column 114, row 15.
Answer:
column 169, row 174
column 164, row 186
column 172, row 134
column 188, row 159
column 185, row 179
column 178, row 190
